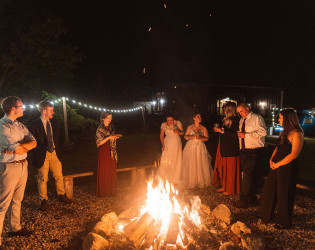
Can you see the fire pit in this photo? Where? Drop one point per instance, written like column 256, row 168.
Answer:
column 163, row 220
column 166, row 220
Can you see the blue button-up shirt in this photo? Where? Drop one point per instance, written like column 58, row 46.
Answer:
column 12, row 134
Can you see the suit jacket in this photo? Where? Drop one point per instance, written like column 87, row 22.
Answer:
column 229, row 142
column 38, row 131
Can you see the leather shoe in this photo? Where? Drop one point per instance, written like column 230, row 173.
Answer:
column 240, row 204
column 64, row 199
column 44, row 206
column 22, row 232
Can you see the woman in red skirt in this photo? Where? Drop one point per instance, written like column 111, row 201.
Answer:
column 107, row 157
column 227, row 165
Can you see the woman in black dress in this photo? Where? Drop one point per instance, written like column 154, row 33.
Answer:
column 279, row 189
column 227, row 163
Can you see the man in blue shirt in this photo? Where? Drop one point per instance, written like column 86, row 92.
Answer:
column 15, row 142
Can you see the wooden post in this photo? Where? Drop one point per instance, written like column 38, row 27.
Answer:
column 143, row 117
column 68, row 182
column 138, row 177
column 65, row 120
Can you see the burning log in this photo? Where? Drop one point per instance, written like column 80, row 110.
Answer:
column 137, row 230
column 152, row 235
column 190, row 228
column 129, row 213
column 173, row 230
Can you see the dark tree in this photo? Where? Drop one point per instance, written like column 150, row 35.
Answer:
column 33, row 54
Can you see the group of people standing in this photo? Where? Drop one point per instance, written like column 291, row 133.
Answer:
column 16, row 140
column 239, row 151
column 241, row 141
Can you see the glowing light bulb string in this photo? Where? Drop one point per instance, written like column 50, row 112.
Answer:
column 81, row 104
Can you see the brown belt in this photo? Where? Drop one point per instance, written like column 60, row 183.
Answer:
column 253, row 148
column 17, row 162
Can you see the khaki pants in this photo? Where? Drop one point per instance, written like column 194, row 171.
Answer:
column 13, row 179
column 51, row 162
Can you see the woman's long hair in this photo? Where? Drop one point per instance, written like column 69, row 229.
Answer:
column 104, row 115
column 230, row 113
column 290, row 122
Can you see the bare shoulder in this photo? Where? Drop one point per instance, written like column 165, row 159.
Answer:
column 189, row 127
column 177, row 122
column 296, row 134
column 163, row 125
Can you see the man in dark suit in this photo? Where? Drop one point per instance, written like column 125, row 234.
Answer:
column 46, row 155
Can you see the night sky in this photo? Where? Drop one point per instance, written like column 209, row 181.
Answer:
column 263, row 43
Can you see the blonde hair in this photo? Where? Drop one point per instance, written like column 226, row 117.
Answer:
column 230, row 112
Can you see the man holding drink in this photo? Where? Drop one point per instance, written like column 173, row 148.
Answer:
column 252, row 132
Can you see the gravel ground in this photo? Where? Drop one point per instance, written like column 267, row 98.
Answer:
column 63, row 226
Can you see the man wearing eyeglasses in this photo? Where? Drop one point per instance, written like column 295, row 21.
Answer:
column 15, row 142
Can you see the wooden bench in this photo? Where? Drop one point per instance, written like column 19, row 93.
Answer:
column 138, row 174
column 68, row 182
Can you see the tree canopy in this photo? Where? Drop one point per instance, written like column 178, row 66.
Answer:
column 33, row 53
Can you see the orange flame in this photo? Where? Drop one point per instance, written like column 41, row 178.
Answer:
column 162, row 204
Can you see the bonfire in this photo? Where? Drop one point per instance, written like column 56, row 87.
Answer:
column 167, row 219
column 163, row 220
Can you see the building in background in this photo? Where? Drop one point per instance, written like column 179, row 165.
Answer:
column 210, row 98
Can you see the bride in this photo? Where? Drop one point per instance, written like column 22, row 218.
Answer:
column 196, row 167
column 171, row 158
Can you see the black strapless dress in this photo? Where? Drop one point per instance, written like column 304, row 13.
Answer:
column 279, row 189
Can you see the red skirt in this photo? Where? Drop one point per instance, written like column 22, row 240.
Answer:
column 227, row 173
column 106, row 172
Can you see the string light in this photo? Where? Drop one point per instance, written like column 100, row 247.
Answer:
column 273, row 113
column 59, row 101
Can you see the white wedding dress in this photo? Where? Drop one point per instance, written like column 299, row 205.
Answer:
column 196, row 166
column 171, row 158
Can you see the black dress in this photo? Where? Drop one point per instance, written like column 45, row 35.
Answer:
column 279, row 189
column 226, row 172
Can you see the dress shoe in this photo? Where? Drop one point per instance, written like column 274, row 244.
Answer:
column 22, row 232
column 64, row 199
column 240, row 204
column 44, row 206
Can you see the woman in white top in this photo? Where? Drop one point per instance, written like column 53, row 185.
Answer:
column 196, row 167
column 171, row 159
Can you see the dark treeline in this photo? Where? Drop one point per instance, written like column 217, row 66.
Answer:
column 103, row 51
